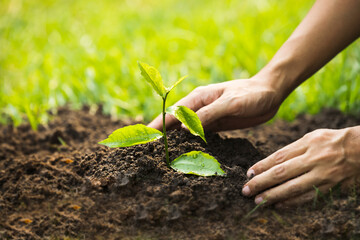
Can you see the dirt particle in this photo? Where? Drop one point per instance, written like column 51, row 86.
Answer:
column 26, row 220
column 67, row 160
column 75, row 207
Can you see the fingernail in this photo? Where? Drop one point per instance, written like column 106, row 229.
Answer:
column 184, row 127
column 258, row 200
column 246, row 191
column 250, row 173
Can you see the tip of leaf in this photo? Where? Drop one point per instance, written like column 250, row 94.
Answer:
column 141, row 64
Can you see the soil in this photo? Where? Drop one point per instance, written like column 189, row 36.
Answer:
column 58, row 183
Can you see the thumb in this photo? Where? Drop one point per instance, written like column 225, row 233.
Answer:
column 210, row 113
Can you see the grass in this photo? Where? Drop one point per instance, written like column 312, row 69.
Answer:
column 61, row 52
column 255, row 208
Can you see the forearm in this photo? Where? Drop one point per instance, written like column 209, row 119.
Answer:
column 328, row 28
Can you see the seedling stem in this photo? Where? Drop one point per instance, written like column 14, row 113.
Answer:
column 164, row 130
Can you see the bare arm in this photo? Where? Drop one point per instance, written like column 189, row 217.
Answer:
column 328, row 28
column 324, row 157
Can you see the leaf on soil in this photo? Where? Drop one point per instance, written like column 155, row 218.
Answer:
column 67, row 160
column 26, row 220
column 197, row 163
column 189, row 118
column 131, row 135
column 261, row 220
column 177, row 83
column 152, row 75
column 75, row 207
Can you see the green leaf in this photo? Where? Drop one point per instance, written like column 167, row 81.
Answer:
column 197, row 163
column 153, row 76
column 177, row 83
column 189, row 118
column 131, row 135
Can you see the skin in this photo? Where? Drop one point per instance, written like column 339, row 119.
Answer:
column 322, row 158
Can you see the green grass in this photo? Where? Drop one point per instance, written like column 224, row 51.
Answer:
column 84, row 52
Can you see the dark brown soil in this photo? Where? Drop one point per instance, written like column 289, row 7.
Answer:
column 87, row 191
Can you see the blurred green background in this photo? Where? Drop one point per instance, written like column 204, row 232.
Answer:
column 61, row 52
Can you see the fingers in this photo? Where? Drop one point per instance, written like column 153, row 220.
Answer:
column 289, row 174
column 275, row 175
column 156, row 123
column 211, row 113
column 305, row 197
column 199, row 98
column 170, row 121
column 290, row 189
column 231, row 123
column 292, row 150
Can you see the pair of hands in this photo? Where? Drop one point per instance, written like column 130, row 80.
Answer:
column 321, row 158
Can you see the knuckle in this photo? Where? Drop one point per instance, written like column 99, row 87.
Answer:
column 331, row 153
column 313, row 134
column 325, row 157
column 233, row 104
column 279, row 156
column 238, row 105
column 279, row 172
column 319, row 135
column 199, row 90
column 258, row 167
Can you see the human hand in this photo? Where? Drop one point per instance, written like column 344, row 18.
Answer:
column 321, row 158
column 229, row 105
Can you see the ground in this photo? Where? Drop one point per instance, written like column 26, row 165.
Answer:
column 58, row 182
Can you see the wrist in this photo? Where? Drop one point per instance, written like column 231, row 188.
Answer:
column 352, row 146
column 289, row 67
column 280, row 76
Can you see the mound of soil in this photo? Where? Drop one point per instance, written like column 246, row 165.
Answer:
column 58, row 182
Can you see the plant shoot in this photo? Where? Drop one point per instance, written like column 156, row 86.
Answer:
column 195, row 162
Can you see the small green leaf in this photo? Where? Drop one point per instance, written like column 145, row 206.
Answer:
column 131, row 135
column 177, row 83
column 189, row 118
column 152, row 75
column 197, row 163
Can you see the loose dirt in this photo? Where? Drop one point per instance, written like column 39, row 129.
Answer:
column 58, row 182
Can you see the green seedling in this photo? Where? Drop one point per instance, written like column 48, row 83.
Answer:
column 318, row 195
column 62, row 142
column 279, row 219
column 195, row 162
column 255, row 208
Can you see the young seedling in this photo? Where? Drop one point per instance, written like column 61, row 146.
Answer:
column 195, row 162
